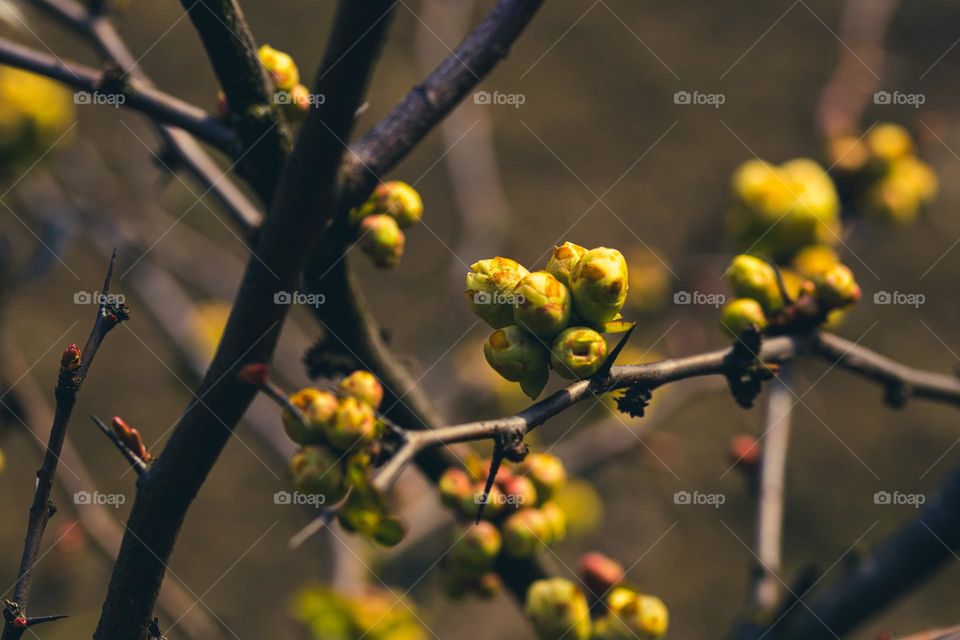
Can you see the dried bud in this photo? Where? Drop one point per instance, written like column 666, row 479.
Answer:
column 837, row 287
column 578, row 353
column 541, row 304
column 565, row 257
column 518, row 357
column 382, row 240
column 600, row 573
column 400, row 201
column 525, row 532
column 489, row 291
column 455, row 487
column 751, row 277
column 737, row 316
column 547, row 473
column 599, row 285
column 558, row 609
column 70, row 360
column 131, row 438
column 364, row 386
column 476, row 548
column 315, row 471
column 354, row 424
column 281, row 67
column 318, row 407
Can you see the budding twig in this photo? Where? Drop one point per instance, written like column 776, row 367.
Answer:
column 139, row 465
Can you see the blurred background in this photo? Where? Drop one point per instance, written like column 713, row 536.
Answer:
column 589, row 145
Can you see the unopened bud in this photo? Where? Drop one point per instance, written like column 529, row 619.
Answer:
column 281, row 67
column 318, row 408
column 751, row 277
column 518, row 357
column 525, row 532
column 600, row 573
column 353, row 424
column 382, row 240
column 837, row 287
column 737, row 316
column 455, row 487
column 315, row 471
column 888, row 142
column 476, row 548
column 547, row 473
column 564, row 258
column 599, row 284
column 578, row 353
column 400, row 201
column 489, row 291
column 131, row 438
column 364, row 386
column 557, row 519
column 558, row 609
column 541, row 304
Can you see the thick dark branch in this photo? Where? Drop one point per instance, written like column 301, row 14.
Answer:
column 233, row 54
column 136, row 95
column 72, row 374
column 307, row 187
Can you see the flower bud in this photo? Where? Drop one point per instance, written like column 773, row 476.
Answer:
column 837, row 287
column 131, row 438
column 364, row 386
column 298, row 105
column 318, row 407
column 389, row 531
column 557, row 520
column 517, row 356
column 541, row 304
column 315, row 471
column 547, row 473
column 382, row 240
column 644, row 618
column 70, row 360
column 489, row 291
column 846, row 154
column 754, row 181
column 455, row 487
column 578, row 353
column 600, row 573
column 476, row 548
column 741, row 314
column 281, row 67
column 488, row 586
column 745, row 451
column 599, row 285
column 888, row 142
column 525, row 532
column 814, row 259
column 353, row 424
column 565, row 257
column 400, row 201
column 519, row 492
column 558, row 609
column 751, row 277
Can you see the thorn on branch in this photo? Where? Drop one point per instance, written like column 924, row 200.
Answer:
column 615, row 353
column 508, row 445
column 14, row 615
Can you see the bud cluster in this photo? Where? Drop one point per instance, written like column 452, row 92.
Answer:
column 778, row 210
column 768, row 299
column 392, row 207
column 881, row 175
column 521, row 516
column 290, row 93
column 340, row 438
column 551, row 318
column 361, row 613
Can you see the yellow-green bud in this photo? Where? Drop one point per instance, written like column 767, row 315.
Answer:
column 815, row 259
column 354, row 424
column 558, row 609
column 318, row 407
column 547, row 473
column 389, row 531
column 599, row 285
column 281, row 67
column 741, row 314
column 578, row 353
column 382, row 240
column 541, row 304
column 519, row 492
column 455, row 487
column 751, row 277
column 476, row 548
column 515, row 354
column 315, row 471
column 489, row 291
column 525, row 532
column 837, row 287
column 400, row 201
column 488, row 586
column 364, row 386
column 888, row 142
column 557, row 519
column 564, row 258
column 642, row 617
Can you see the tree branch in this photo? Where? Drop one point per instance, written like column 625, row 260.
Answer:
column 166, row 491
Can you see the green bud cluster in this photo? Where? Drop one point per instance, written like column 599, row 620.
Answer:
column 292, row 95
column 881, row 174
column 367, row 613
column 521, row 517
column 551, row 318
column 392, row 207
column 778, row 210
column 632, row 615
column 817, row 288
column 339, row 434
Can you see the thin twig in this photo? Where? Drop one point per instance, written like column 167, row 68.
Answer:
column 138, row 465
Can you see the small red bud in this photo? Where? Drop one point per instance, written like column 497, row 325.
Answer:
column 745, row 451
column 600, row 573
column 20, row 622
column 132, row 438
column 256, row 374
column 70, row 360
